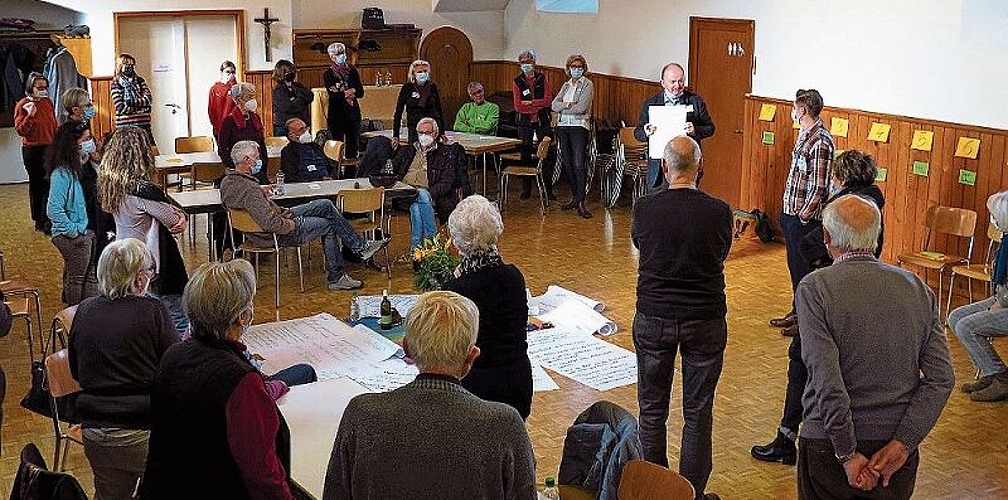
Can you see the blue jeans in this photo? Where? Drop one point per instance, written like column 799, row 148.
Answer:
column 422, row 222
column 320, row 219
column 701, row 344
column 973, row 323
column 178, row 316
column 299, row 374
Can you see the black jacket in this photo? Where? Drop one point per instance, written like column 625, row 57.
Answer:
column 447, row 175
column 172, row 275
column 291, row 157
column 291, row 102
column 340, row 112
column 699, row 117
column 417, row 108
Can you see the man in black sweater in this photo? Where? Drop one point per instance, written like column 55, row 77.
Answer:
column 684, row 236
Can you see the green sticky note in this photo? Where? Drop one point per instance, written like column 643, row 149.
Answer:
column 920, row 168
column 967, row 177
column 880, row 176
column 768, row 137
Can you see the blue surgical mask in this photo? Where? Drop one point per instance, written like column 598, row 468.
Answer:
column 257, row 167
column 576, row 72
column 340, row 58
column 88, row 113
column 527, row 67
column 87, row 147
column 421, row 77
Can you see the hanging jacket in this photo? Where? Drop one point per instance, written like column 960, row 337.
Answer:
column 601, row 441
column 61, row 71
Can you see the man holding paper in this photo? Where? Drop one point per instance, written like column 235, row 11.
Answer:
column 684, row 236
column 689, row 115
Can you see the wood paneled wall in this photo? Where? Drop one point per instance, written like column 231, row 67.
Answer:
column 616, row 97
column 908, row 196
column 101, row 97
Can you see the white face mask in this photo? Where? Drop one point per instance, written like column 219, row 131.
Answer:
column 39, row 94
column 305, row 138
column 251, row 105
column 426, row 140
column 422, row 77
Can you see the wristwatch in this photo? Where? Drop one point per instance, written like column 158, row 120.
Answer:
column 846, row 458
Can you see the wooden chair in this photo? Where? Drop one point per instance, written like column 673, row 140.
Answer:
column 632, row 162
column 276, row 141
column 20, row 296
column 240, row 220
column 980, row 272
column 334, row 151
column 203, row 175
column 273, row 164
column 645, row 481
column 61, row 383
column 370, row 202
column 194, row 144
column 959, row 222
column 528, row 171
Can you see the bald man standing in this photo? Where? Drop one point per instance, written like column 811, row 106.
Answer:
column 684, row 236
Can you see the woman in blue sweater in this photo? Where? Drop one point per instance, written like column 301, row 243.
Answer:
column 66, row 160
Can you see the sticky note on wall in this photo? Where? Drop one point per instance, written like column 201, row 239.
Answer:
column 922, row 140
column 768, row 137
column 881, row 174
column 879, row 132
column 767, row 112
column 838, row 127
column 968, row 147
column 967, row 177
column 920, row 168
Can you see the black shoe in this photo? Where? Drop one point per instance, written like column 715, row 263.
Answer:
column 781, row 449
column 789, row 319
column 583, row 212
column 569, row 206
column 790, row 331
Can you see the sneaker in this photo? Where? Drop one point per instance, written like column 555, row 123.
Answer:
column 978, row 384
column 345, row 283
column 996, row 391
column 372, row 247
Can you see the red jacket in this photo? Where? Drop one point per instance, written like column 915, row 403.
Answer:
column 219, row 105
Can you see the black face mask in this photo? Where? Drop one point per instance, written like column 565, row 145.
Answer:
column 129, row 70
column 289, row 77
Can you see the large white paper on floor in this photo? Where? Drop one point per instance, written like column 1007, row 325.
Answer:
column 370, row 305
column 583, row 358
column 670, row 122
column 541, row 381
column 331, row 346
column 313, row 413
column 556, row 295
column 579, row 317
column 390, row 374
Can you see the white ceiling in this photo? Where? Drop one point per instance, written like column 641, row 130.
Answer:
column 469, row 5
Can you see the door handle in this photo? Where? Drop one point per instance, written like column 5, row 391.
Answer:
column 738, row 131
column 174, row 107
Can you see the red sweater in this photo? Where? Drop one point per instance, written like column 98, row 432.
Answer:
column 219, row 105
column 38, row 129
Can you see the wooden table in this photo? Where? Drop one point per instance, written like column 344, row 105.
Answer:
column 474, row 144
column 180, row 163
column 208, row 200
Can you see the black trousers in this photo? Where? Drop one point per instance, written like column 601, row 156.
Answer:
column 349, row 132
column 701, row 344
column 510, row 384
column 528, row 152
column 794, row 233
column 573, row 142
column 822, row 476
column 38, row 183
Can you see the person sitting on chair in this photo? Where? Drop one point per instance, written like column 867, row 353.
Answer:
column 302, row 159
column 294, row 226
column 478, row 116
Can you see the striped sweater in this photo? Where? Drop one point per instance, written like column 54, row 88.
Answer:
column 131, row 98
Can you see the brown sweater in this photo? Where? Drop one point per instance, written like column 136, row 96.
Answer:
column 38, row 129
column 242, row 191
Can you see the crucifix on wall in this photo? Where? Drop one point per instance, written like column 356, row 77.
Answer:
column 266, row 21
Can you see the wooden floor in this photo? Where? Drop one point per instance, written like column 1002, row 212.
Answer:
column 964, row 457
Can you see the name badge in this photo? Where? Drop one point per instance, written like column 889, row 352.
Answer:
column 416, row 95
column 689, row 108
column 526, row 92
column 311, row 168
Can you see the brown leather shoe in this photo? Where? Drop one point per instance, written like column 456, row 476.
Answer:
column 790, row 331
column 789, row 319
column 978, row 384
column 996, row 391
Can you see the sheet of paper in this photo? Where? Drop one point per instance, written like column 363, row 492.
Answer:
column 541, row 381
column 556, row 295
column 324, row 342
column 967, row 147
column 670, row 122
column 838, row 127
column 879, row 132
column 384, row 376
column 583, row 358
column 313, row 413
column 370, row 305
column 579, row 317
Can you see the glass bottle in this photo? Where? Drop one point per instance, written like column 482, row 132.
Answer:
column 385, row 321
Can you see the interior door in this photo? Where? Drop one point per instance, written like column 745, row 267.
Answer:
column 210, row 40
column 450, row 54
column 720, row 70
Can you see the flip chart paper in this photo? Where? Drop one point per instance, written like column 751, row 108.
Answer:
column 583, row 358
column 670, row 122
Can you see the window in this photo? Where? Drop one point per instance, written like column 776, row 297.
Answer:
column 568, row 6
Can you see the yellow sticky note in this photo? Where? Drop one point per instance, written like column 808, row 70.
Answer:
column 796, row 125
column 922, row 140
column 879, row 132
column 838, row 127
column 767, row 112
column 968, row 147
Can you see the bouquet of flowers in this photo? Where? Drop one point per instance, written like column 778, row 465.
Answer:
column 434, row 262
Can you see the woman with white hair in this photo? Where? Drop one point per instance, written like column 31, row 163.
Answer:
column 216, row 432
column 116, row 342
column 420, row 98
column 343, row 83
column 243, row 124
column 976, row 323
column 502, row 372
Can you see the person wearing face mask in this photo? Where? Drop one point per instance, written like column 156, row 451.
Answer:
column 532, row 95
column 220, row 104
column 573, row 102
column 344, row 87
column 142, row 210
column 116, row 342
column 291, row 99
column 699, row 124
column 439, row 172
column 420, row 98
column 35, row 123
column 131, row 97
column 69, row 167
column 243, row 124
column 209, row 397
column 302, row 159
column 77, row 105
